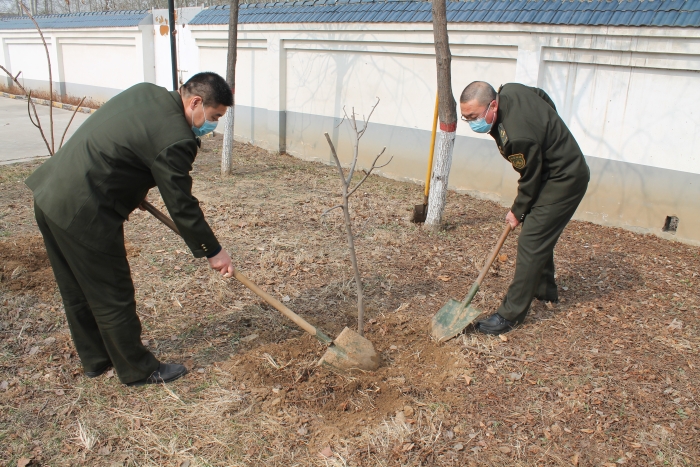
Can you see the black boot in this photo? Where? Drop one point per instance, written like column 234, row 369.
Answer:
column 96, row 373
column 497, row 324
column 165, row 373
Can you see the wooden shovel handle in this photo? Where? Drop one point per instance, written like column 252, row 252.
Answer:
column 298, row 320
column 494, row 253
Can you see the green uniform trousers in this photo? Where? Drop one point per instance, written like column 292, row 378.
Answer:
column 98, row 296
column 534, row 266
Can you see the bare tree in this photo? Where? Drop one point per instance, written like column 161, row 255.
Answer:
column 227, row 151
column 448, row 117
column 347, row 191
column 30, row 103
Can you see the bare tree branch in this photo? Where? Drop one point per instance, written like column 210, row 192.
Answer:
column 71, row 121
column 38, row 122
column 368, row 172
column 345, row 181
column 337, row 161
column 330, row 209
column 48, row 60
column 367, row 119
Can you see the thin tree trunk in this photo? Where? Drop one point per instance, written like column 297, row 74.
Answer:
column 227, row 151
column 448, row 117
column 355, row 268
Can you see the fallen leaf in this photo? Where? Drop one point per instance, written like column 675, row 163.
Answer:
column 491, row 370
column 503, row 338
column 408, row 411
column 4, row 385
column 110, row 373
column 675, row 325
column 400, row 417
column 23, row 462
column 60, row 392
column 515, row 376
column 587, row 430
column 574, row 459
column 185, row 463
column 326, row 452
column 444, row 278
column 468, row 379
column 34, row 350
column 49, row 340
column 286, row 298
column 407, row 447
column 302, row 431
column 249, row 338
column 504, row 449
column 104, row 450
column 503, row 258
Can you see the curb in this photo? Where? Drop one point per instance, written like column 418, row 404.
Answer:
column 58, row 105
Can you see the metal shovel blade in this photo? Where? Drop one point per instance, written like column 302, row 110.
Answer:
column 420, row 212
column 452, row 319
column 350, row 351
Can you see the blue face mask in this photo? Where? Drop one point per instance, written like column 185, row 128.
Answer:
column 207, row 126
column 479, row 125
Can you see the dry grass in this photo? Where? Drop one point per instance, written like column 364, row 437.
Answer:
column 607, row 377
column 67, row 99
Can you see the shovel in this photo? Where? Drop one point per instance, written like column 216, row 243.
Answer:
column 349, row 351
column 452, row 318
column 420, row 211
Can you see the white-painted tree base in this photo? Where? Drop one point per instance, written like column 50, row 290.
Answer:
column 227, row 150
column 440, row 177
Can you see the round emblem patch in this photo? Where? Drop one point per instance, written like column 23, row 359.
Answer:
column 518, row 161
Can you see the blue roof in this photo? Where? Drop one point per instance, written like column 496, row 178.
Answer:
column 678, row 13
column 99, row 19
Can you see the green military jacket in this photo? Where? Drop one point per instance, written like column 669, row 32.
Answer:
column 135, row 141
column 536, row 141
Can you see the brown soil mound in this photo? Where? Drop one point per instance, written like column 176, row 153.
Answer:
column 25, row 266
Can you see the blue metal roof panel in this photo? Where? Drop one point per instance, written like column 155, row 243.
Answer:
column 106, row 19
column 666, row 13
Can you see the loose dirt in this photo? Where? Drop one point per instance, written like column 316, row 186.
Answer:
column 606, row 377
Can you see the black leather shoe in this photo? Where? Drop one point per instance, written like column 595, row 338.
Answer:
column 95, row 374
column 497, row 324
column 165, row 373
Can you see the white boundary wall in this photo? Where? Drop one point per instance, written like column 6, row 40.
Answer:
column 97, row 62
column 629, row 96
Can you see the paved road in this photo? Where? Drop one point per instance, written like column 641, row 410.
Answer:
column 20, row 140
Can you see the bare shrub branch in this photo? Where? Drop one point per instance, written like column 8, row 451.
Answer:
column 71, row 121
column 346, row 193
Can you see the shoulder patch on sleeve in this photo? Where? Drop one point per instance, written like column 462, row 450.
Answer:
column 502, row 133
column 518, row 161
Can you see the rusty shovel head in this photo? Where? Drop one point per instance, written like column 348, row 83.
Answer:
column 420, row 212
column 350, row 351
column 451, row 319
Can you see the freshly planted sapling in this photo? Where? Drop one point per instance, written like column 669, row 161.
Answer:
column 347, row 191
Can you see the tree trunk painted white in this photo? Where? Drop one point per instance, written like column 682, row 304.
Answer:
column 232, row 53
column 448, row 117
column 227, row 151
column 440, row 178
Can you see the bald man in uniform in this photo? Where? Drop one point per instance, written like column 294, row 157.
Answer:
column 533, row 138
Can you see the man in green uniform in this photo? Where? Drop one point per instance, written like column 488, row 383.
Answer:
column 553, row 179
column 141, row 138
